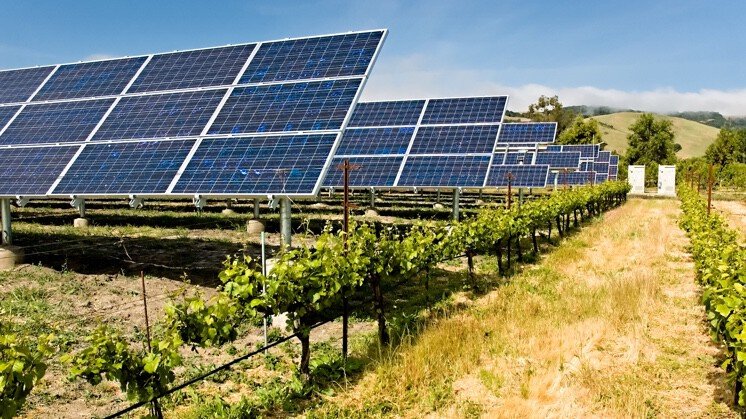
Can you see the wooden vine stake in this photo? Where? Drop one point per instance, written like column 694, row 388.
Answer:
column 710, row 181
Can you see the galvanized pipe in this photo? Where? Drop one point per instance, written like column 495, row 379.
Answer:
column 372, row 198
column 256, row 208
column 285, row 222
column 7, row 233
column 455, row 212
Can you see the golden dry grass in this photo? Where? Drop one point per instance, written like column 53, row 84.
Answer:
column 608, row 325
column 734, row 212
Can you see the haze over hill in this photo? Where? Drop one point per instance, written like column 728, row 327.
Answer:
column 694, row 137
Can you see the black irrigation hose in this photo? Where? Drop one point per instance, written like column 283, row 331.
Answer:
column 213, row 371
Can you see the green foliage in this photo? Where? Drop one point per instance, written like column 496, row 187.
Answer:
column 21, row 366
column 141, row 374
column 729, row 147
column 651, row 140
column 550, row 109
column 581, row 132
column 720, row 263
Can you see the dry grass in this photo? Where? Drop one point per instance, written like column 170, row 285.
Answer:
column 734, row 212
column 608, row 325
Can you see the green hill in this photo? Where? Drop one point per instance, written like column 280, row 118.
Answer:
column 694, row 137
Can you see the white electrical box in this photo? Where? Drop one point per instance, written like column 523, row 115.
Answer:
column 667, row 180
column 636, row 178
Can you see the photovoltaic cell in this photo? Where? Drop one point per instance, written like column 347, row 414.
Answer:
column 6, row 113
column 375, row 141
column 371, row 172
column 575, row 178
column 55, row 122
column 520, row 157
column 455, row 139
column 527, row 133
column 601, row 167
column 444, row 171
column 310, row 58
column 159, row 116
column 520, row 176
column 99, row 78
column 189, row 69
column 586, row 166
column 465, row 110
column 384, row 114
column 499, row 158
column 602, row 177
column 589, row 151
column 614, row 160
column 559, row 160
column 287, row 107
column 554, row 148
column 32, row 170
column 603, row 157
column 257, row 165
column 19, row 85
column 125, row 168
column 613, row 170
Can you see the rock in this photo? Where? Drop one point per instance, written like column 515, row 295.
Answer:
column 10, row 256
column 80, row 223
column 228, row 211
column 439, row 207
column 371, row 213
column 254, row 227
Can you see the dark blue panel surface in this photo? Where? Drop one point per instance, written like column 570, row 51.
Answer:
column 56, row 122
column 519, row 157
column 559, row 160
column 601, row 167
column 160, row 116
column 614, row 160
column 602, row 177
column 371, row 172
column 32, row 170
column 455, row 139
column 287, row 107
column 19, row 85
column 554, row 148
column 257, row 165
column 7, row 112
column 465, row 110
column 445, row 171
column 189, row 69
column 125, row 168
column 100, row 78
column 528, row 133
column 587, row 151
column 603, row 156
column 368, row 141
column 383, row 114
column 520, row 176
column 613, row 170
column 575, row 178
column 310, row 58
column 499, row 158
column 586, row 166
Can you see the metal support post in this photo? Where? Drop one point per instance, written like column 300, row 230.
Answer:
column 285, row 222
column 372, row 198
column 437, row 197
column 7, row 233
column 256, row 208
column 520, row 196
column 456, row 195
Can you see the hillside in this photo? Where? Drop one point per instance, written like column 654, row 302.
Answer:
column 693, row 136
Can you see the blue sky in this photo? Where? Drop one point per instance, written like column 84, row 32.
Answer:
column 663, row 56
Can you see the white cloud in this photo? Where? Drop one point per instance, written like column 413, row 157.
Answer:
column 408, row 77
column 96, row 57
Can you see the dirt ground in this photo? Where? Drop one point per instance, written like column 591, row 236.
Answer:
column 734, row 212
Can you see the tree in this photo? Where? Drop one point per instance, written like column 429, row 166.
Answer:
column 729, row 147
column 550, row 109
column 651, row 141
column 581, row 132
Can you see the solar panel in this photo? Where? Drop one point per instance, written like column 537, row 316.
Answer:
column 528, row 133
column 98, row 78
column 457, row 139
column 575, row 178
column 614, row 160
column 519, row 176
column 180, row 114
column 601, row 167
column 370, row 171
column 465, row 110
column 554, row 148
column 559, row 160
column 385, row 114
column 19, row 85
column 190, row 69
column 602, row 177
column 6, row 113
column 257, row 165
column 614, row 177
column 586, row 166
column 145, row 167
column 375, row 141
column 613, row 171
column 520, row 157
column 55, row 122
column 603, row 156
column 314, row 58
column 309, row 106
column 32, row 170
column 444, row 171
column 586, row 150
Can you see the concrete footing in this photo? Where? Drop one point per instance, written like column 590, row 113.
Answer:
column 371, row 213
column 81, row 223
column 254, row 227
column 228, row 211
column 10, row 256
column 439, row 206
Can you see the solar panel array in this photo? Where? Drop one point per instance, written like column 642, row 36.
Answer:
column 445, row 142
column 247, row 120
